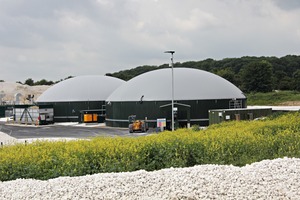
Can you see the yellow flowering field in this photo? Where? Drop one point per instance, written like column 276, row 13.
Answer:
column 236, row 143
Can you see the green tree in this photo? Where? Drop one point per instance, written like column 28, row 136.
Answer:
column 69, row 77
column 44, row 82
column 296, row 76
column 285, row 83
column 280, row 80
column 229, row 75
column 29, row 82
column 282, row 69
column 257, row 77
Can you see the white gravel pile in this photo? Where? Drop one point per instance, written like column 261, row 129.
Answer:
column 6, row 139
column 10, row 89
column 269, row 179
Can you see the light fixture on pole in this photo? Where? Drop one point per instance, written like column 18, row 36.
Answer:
column 172, row 52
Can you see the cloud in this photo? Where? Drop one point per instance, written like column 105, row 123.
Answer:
column 55, row 39
column 288, row 4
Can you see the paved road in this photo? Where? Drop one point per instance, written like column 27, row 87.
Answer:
column 57, row 131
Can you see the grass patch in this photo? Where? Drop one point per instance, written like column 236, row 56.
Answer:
column 272, row 98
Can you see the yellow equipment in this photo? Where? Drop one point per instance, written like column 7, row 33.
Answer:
column 137, row 125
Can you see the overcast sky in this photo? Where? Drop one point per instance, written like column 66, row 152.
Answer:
column 52, row 39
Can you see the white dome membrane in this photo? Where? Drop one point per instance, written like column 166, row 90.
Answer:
column 189, row 84
column 81, row 88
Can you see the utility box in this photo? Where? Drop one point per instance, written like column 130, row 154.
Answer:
column 95, row 117
column 87, row 118
column 218, row 116
column 91, row 117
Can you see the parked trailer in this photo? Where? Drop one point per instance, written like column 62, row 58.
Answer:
column 46, row 116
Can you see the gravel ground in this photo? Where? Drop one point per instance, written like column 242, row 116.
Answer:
column 268, row 179
column 6, row 139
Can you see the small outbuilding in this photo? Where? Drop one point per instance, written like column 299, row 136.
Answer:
column 148, row 96
column 221, row 115
column 78, row 98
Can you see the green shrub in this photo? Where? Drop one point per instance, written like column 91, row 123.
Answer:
column 236, row 143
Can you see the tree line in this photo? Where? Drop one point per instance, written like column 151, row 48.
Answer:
column 31, row 82
column 250, row 74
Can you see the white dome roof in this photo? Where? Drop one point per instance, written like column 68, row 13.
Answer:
column 81, row 88
column 189, row 84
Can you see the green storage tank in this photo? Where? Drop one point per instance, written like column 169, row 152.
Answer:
column 71, row 97
column 149, row 96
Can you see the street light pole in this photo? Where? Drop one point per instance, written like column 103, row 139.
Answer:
column 172, row 64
